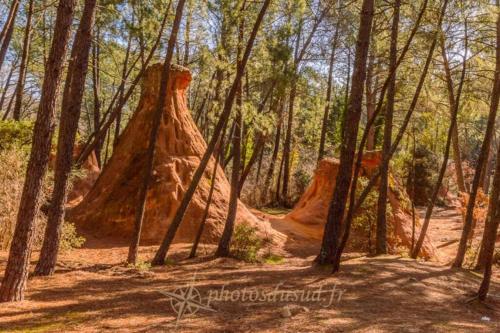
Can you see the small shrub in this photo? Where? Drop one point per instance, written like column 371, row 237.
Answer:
column 273, row 259
column 12, row 172
column 69, row 238
column 141, row 266
column 245, row 243
column 15, row 134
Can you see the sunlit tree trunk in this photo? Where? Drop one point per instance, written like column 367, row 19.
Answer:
column 16, row 272
column 7, row 30
column 381, row 237
column 70, row 115
column 24, row 63
column 160, row 255
column 150, row 155
column 343, row 181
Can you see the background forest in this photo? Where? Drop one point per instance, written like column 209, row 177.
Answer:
column 301, row 65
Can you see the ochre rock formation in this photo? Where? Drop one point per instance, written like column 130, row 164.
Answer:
column 83, row 181
column 310, row 213
column 109, row 208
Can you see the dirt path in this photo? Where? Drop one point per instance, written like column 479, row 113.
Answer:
column 93, row 291
column 445, row 230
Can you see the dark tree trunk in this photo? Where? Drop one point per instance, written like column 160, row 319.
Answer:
column 259, row 142
column 225, row 240
column 6, row 87
column 437, row 186
column 122, row 90
column 160, row 255
column 287, row 146
column 99, row 134
column 381, row 237
column 299, row 56
column 96, row 83
column 482, row 159
column 370, row 99
column 343, row 181
column 143, row 190
column 488, row 235
column 355, row 205
column 457, row 156
column 227, row 233
column 274, row 157
column 328, row 100
column 24, row 63
column 491, row 228
column 187, row 32
column 7, row 30
column 16, row 272
column 217, row 154
column 70, row 115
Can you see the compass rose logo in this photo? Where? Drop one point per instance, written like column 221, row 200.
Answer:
column 186, row 301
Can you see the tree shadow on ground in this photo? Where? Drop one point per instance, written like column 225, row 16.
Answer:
column 379, row 293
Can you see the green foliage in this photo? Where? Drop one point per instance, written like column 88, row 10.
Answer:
column 12, row 171
column 245, row 243
column 273, row 259
column 16, row 134
column 141, row 266
column 69, row 237
column 364, row 223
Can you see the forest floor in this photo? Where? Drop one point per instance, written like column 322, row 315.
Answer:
column 92, row 291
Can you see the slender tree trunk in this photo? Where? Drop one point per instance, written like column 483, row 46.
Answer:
column 99, row 134
column 328, row 100
column 9, row 106
column 274, row 156
column 70, row 115
column 287, row 146
column 7, row 30
column 457, row 156
column 160, row 255
column 437, row 186
column 225, row 240
column 218, row 155
column 482, row 160
column 187, row 32
column 16, row 272
column 96, row 83
column 7, row 86
column 487, row 170
column 489, row 237
column 491, row 228
column 122, row 90
column 24, row 63
column 143, row 191
column 370, row 98
column 343, row 181
column 381, row 240
column 227, row 233
column 355, row 205
column 299, row 56
column 259, row 142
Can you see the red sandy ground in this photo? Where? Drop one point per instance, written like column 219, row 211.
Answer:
column 92, row 291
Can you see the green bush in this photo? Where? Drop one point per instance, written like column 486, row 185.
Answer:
column 245, row 243
column 16, row 134
column 69, row 238
column 12, row 172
